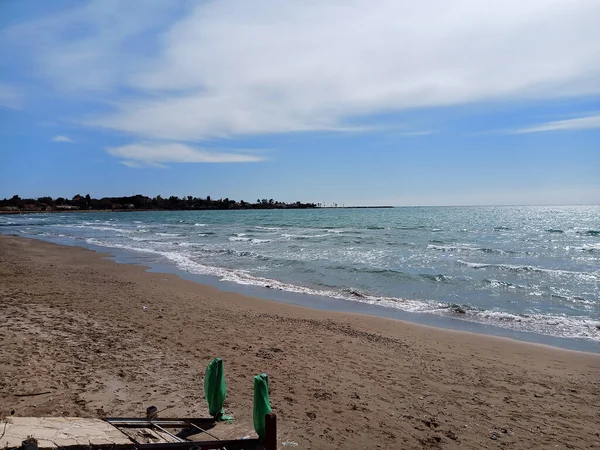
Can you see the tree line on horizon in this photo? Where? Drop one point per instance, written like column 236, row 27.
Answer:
column 140, row 202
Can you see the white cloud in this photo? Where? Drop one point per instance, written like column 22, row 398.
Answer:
column 10, row 97
column 581, row 123
column 234, row 68
column 140, row 155
column 62, row 139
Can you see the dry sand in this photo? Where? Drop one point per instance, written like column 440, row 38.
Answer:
column 74, row 325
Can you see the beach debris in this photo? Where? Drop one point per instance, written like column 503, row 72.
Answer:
column 33, row 394
column 355, row 293
column 457, row 309
column 151, row 412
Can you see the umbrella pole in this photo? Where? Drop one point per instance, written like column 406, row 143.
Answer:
column 270, row 432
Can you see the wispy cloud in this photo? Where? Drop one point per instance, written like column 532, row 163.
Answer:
column 581, row 123
column 10, row 97
column 60, row 138
column 152, row 154
column 420, row 133
column 239, row 68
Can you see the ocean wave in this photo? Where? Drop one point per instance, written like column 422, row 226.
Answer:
column 268, row 228
column 102, row 228
column 199, row 224
column 562, row 326
column 555, row 230
column 464, row 248
column 303, row 236
column 532, row 269
column 503, row 284
column 590, row 248
column 28, row 224
column 437, row 278
column 502, row 228
column 248, row 239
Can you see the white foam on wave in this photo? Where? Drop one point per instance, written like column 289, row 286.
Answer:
column 248, row 239
column 268, row 228
column 239, row 239
column 562, row 326
column 101, row 228
column 199, row 224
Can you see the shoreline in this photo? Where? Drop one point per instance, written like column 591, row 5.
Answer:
column 332, row 304
column 339, row 380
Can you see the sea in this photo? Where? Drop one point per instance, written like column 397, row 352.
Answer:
column 533, row 270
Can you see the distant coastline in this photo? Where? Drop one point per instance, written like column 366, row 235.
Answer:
column 80, row 203
column 61, row 211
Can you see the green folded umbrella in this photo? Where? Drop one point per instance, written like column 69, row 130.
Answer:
column 215, row 390
column 262, row 407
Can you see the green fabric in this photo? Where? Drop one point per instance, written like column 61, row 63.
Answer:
column 262, row 407
column 214, row 387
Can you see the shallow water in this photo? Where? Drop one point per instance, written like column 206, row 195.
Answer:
column 534, row 269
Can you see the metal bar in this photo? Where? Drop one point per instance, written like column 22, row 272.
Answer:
column 270, row 432
column 165, row 431
column 233, row 444
column 204, row 431
column 167, row 423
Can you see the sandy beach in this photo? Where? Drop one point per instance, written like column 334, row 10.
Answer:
column 97, row 338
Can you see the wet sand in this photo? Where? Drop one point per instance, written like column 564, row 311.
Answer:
column 101, row 338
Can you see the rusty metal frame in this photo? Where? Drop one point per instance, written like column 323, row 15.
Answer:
column 269, row 443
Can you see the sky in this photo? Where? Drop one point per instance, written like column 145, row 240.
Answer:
column 392, row 102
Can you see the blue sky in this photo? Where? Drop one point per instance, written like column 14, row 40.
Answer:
column 393, row 102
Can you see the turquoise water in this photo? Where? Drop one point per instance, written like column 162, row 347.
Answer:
column 531, row 269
